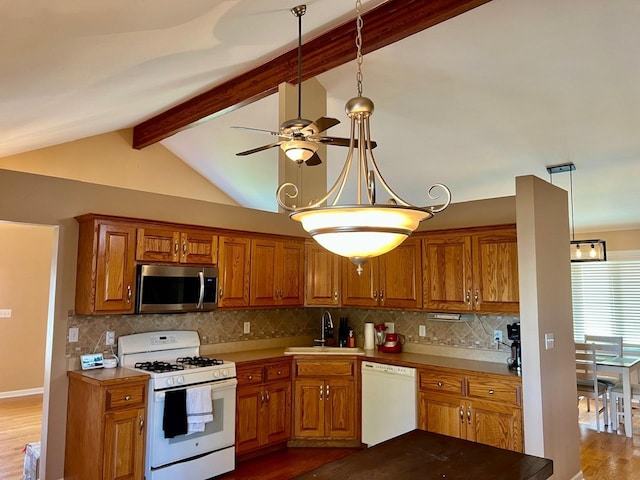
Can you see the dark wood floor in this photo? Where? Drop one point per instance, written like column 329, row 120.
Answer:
column 604, row 456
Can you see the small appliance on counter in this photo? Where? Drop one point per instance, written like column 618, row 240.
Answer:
column 392, row 343
column 380, row 334
column 515, row 360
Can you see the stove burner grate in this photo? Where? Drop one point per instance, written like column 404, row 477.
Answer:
column 158, row 367
column 198, row 361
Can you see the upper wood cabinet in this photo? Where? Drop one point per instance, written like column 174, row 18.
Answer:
column 166, row 244
column 277, row 272
column 471, row 271
column 391, row 280
column 322, row 267
column 234, row 263
column 105, row 280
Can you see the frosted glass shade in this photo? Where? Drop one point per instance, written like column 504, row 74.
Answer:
column 299, row 151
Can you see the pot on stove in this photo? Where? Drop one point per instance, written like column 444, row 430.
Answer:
column 392, row 343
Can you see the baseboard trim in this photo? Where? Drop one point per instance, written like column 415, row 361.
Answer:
column 22, row 393
column 578, row 476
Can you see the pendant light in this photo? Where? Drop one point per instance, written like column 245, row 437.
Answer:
column 365, row 229
column 581, row 250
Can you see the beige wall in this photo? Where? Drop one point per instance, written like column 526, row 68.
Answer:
column 548, row 376
column 108, row 159
column 618, row 240
column 25, row 274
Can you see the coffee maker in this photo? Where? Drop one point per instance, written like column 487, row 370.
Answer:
column 515, row 360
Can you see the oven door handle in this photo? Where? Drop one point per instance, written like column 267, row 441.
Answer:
column 201, row 297
column 215, row 387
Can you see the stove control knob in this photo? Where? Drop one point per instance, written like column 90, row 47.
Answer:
column 169, row 381
column 216, row 373
column 225, row 373
column 180, row 380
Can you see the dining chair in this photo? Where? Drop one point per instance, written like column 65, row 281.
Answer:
column 587, row 382
column 606, row 345
column 618, row 408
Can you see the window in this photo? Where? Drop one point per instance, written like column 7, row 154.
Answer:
column 606, row 299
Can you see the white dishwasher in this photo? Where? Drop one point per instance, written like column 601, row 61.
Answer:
column 388, row 401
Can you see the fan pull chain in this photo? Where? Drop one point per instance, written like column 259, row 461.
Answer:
column 359, row 58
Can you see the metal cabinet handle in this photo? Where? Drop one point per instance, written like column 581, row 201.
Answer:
column 175, row 248
column 268, row 397
column 461, row 414
column 491, row 392
column 375, row 294
column 127, row 397
column 327, row 392
column 279, row 372
column 321, row 389
column 250, row 377
column 184, row 249
column 468, row 297
column 141, row 425
column 477, row 297
column 439, row 384
column 220, row 293
column 469, row 415
column 261, row 397
column 335, row 295
column 382, row 294
column 128, row 293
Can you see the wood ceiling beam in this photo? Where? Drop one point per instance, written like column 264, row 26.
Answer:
column 388, row 23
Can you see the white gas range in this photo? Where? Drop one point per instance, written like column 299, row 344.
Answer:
column 172, row 359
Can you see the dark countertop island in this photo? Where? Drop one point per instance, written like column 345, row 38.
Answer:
column 425, row 455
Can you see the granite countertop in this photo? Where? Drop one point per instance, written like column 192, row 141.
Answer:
column 415, row 360
column 109, row 375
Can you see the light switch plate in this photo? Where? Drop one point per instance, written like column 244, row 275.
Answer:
column 5, row 313
column 73, row 334
column 391, row 327
column 549, row 341
column 247, row 327
column 422, row 331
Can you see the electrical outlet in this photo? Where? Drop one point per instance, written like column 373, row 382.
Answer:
column 247, row 327
column 497, row 337
column 5, row 313
column 422, row 331
column 73, row 334
column 391, row 327
column 110, row 337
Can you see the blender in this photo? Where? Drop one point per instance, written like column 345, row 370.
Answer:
column 380, row 335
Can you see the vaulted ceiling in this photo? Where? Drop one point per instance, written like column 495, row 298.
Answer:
column 502, row 90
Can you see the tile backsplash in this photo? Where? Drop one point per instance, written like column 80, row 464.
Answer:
column 223, row 326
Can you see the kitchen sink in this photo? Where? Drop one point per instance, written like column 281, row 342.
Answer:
column 324, row 351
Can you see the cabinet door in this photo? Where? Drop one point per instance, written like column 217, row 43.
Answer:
column 308, row 415
column 360, row 290
column 115, row 268
column 323, row 276
column 340, row 408
column 157, row 245
column 441, row 414
column 446, row 263
column 198, row 247
column 401, row 276
column 124, row 445
column 495, row 424
column 249, row 401
column 263, row 272
column 277, row 412
column 290, row 270
column 234, row 272
column 495, row 271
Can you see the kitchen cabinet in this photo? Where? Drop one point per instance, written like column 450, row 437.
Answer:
column 106, row 415
column 277, row 272
column 483, row 408
column 392, row 280
column 471, row 270
column 171, row 245
column 322, row 267
column 105, row 280
column 263, row 405
column 234, row 265
column 326, row 400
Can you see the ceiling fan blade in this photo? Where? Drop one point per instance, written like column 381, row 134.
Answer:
column 340, row 142
column 270, row 132
column 314, row 160
column 259, row 149
column 324, row 123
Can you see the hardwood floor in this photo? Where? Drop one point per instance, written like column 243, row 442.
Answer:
column 604, row 456
column 20, row 423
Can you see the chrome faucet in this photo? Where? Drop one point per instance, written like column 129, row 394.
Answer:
column 326, row 324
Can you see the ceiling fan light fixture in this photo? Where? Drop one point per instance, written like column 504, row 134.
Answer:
column 298, row 150
column 366, row 229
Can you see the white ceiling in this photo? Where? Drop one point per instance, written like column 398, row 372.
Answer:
column 503, row 90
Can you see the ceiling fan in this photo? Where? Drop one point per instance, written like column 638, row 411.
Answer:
column 299, row 138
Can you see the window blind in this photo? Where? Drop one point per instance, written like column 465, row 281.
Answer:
column 606, row 299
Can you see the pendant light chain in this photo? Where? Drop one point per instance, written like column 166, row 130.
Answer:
column 359, row 58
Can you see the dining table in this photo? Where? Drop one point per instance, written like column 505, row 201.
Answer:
column 426, row 455
column 623, row 365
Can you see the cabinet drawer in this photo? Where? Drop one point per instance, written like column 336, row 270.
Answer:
column 280, row 371
column 249, row 375
column 441, row 381
column 126, row 396
column 325, row 367
column 492, row 388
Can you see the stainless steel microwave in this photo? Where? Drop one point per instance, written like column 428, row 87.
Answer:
column 176, row 288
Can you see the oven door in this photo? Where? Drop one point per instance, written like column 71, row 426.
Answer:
column 218, row 434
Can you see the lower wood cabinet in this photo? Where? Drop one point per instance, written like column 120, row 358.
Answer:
column 326, row 401
column 106, row 415
column 482, row 408
column 263, row 405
